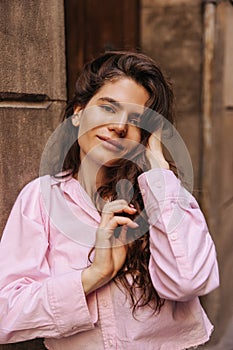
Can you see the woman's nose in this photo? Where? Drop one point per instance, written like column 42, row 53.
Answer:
column 120, row 126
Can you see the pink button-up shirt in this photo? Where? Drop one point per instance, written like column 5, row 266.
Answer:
column 44, row 250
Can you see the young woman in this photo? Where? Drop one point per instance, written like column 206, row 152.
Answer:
column 112, row 252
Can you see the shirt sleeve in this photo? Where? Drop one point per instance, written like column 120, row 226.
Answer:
column 183, row 261
column 33, row 302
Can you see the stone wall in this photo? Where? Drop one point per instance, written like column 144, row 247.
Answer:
column 32, row 96
column 171, row 33
column 32, row 89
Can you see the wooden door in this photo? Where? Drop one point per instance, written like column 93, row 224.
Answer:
column 94, row 26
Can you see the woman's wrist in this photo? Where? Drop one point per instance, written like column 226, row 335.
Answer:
column 158, row 161
column 93, row 279
column 89, row 281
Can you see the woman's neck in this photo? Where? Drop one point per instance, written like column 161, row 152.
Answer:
column 91, row 177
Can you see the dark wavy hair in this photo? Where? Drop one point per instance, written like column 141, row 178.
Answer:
column 134, row 276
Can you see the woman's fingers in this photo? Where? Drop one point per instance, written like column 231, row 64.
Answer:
column 110, row 252
column 121, row 239
column 111, row 209
column 105, row 234
column 122, row 220
column 117, row 206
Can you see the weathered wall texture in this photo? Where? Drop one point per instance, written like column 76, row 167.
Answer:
column 222, row 172
column 32, row 96
column 172, row 31
column 32, row 89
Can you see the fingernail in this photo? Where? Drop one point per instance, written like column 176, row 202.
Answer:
column 132, row 207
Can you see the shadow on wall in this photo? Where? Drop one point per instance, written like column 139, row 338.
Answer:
column 226, row 342
column 35, row 344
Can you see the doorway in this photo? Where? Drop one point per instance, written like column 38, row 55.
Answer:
column 94, row 26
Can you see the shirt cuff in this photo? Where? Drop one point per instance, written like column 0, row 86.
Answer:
column 69, row 305
column 163, row 182
column 166, row 200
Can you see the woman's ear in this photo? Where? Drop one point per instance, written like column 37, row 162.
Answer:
column 76, row 117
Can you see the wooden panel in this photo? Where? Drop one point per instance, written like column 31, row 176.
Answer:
column 94, row 26
column 113, row 25
column 75, row 29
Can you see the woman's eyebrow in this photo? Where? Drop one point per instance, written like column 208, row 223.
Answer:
column 111, row 100
column 120, row 105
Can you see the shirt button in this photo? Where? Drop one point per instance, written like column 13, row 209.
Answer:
column 110, row 343
column 143, row 192
column 105, row 304
column 159, row 184
column 173, row 236
column 173, row 203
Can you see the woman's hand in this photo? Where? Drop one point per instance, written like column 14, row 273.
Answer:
column 154, row 151
column 110, row 252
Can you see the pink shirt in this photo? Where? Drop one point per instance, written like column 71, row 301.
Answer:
column 44, row 250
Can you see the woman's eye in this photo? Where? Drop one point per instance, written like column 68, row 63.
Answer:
column 134, row 120
column 108, row 108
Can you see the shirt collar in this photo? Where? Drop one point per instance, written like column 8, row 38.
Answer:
column 76, row 192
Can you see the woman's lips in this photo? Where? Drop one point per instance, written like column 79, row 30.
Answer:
column 111, row 143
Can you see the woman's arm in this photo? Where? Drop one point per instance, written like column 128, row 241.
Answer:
column 183, row 257
column 33, row 302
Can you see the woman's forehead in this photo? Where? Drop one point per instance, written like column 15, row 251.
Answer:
column 122, row 91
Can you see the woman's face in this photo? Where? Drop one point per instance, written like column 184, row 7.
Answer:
column 108, row 128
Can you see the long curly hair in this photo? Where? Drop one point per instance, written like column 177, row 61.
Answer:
column 121, row 180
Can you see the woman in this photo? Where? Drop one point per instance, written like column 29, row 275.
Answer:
column 113, row 252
